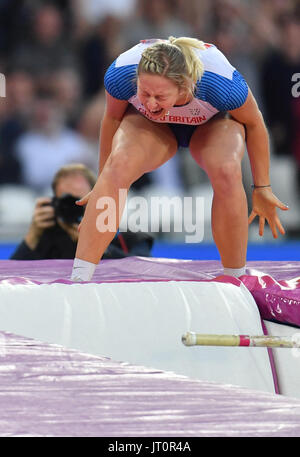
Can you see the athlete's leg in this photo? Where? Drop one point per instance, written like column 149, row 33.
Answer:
column 139, row 146
column 218, row 148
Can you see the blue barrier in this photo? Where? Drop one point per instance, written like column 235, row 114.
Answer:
column 6, row 250
column 205, row 251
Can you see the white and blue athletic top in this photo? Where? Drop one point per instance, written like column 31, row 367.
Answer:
column 221, row 88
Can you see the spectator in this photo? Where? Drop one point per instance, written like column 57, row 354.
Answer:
column 282, row 109
column 14, row 25
column 48, row 49
column 66, row 88
column 154, row 19
column 263, row 17
column 90, row 119
column 54, row 235
column 98, row 49
column 230, row 29
column 20, row 93
column 94, row 11
column 48, row 145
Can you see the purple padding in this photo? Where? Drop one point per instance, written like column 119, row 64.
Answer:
column 47, row 390
column 136, row 269
column 276, row 300
column 275, row 286
column 130, row 269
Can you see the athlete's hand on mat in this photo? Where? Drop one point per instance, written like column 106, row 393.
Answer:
column 264, row 204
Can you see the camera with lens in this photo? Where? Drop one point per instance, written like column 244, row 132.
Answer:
column 66, row 209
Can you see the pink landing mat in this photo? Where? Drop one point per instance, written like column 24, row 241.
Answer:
column 47, row 390
column 275, row 286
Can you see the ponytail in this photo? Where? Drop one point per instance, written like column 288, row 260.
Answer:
column 194, row 65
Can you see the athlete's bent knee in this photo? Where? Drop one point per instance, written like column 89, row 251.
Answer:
column 121, row 170
column 226, row 177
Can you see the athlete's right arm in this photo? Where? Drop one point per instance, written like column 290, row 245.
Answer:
column 113, row 115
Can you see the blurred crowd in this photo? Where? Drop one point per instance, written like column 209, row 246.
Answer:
column 54, row 56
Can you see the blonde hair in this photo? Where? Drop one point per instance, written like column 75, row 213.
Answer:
column 174, row 59
column 73, row 169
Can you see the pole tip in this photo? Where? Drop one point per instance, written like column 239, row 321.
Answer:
column 189, row 339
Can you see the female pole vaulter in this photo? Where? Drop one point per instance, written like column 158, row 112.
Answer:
column 162, row 94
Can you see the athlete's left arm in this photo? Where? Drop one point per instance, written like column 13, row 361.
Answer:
column 257, row 140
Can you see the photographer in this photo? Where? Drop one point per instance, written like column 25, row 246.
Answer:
column 53, row 232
